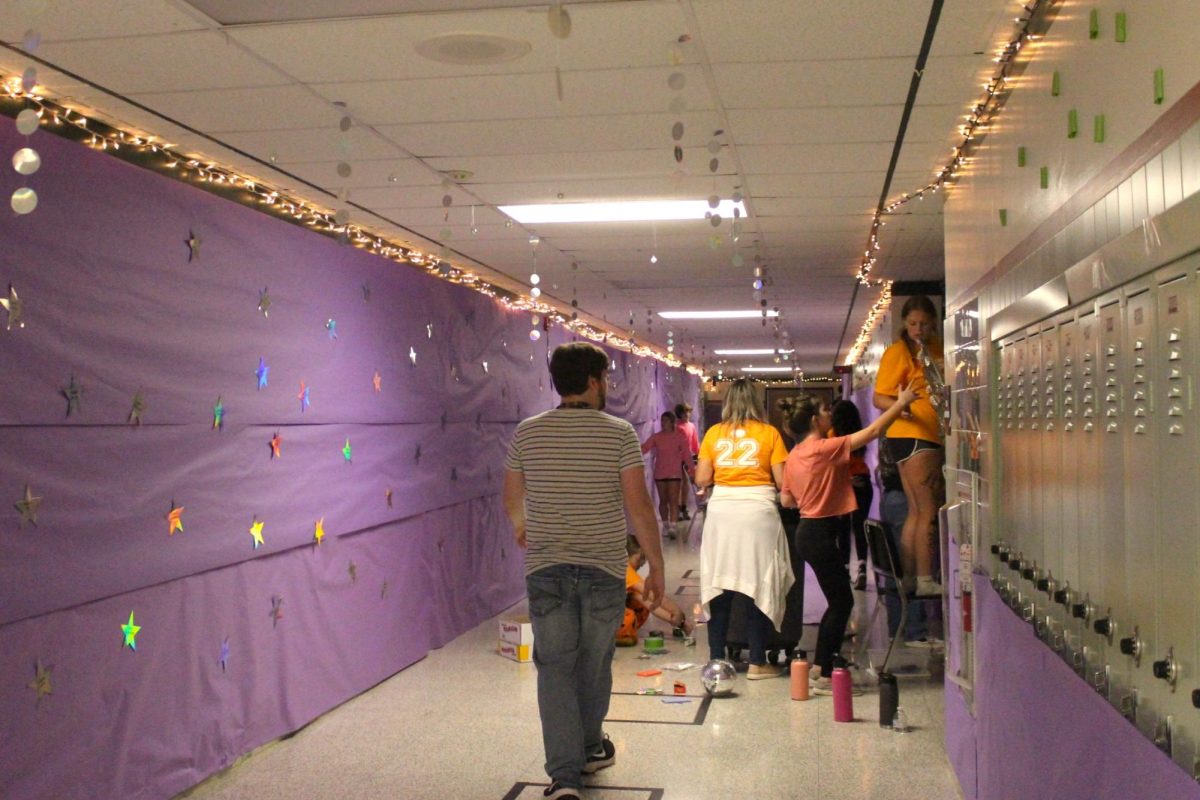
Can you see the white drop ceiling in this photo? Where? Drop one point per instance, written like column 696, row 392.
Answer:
column 808, row 93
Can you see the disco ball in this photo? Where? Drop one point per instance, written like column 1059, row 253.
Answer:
column 718, row 676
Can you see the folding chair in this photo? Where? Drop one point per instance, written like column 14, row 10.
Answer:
column 885, row 564
column 701, row 508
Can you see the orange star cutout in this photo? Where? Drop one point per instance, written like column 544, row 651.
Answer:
column 377, row 381
column 174, row 519
column 276, row 443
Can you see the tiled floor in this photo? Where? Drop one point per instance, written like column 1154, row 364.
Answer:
column 463, row 723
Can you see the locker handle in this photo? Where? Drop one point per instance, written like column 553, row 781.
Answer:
column 1175, row 430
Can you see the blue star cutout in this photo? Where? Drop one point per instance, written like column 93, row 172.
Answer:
column 261, row 372
column 331, row 326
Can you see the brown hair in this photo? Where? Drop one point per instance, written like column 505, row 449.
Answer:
column 918, row 302
column 572, row 364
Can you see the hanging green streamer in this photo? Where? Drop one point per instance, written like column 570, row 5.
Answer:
column 1055, row 85
column 1119, row 32
column 1098, row 128
column 1072, row 124
column 1094, row 24
column 1021, row 156
column 1004, row 217
column 1045, row 177
column 1159, row 86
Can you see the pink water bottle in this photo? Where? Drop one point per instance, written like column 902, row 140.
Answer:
column 843, row 700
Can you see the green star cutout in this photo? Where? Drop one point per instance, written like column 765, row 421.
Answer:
column 130, row 630
column 346, row 451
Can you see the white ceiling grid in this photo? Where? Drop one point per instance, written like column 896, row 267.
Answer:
column 809, row 96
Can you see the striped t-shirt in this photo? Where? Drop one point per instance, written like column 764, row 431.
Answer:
column 572, row 460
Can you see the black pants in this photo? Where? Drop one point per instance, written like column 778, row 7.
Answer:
column 816, row 542
column 857, row 521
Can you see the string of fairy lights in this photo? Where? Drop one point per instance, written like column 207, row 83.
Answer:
column 995, row 91
column 260, row 194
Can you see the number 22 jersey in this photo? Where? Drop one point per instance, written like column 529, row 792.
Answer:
column 742, row 455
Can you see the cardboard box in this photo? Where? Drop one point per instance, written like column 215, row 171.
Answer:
column 516, row 630
column 517, row 652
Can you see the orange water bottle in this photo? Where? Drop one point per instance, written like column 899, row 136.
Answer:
column 799, row 678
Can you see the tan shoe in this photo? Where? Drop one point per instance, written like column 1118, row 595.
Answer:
column 758, row 672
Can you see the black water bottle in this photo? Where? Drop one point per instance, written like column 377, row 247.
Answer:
column 889, row 699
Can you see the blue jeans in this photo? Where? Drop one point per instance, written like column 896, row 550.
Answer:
column 575, row 611
column 893, row 508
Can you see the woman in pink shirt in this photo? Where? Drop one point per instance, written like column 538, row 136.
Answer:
column 671, row 457
column 816, row 479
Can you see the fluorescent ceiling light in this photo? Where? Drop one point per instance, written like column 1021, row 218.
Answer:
column 762, row 351
column 624, row 211
column 750, row 314
column 766, row 369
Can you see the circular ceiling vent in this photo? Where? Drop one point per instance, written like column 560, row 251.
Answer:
column 473, row 49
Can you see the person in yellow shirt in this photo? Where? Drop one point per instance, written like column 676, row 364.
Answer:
column 914, row 441
column 744, row 549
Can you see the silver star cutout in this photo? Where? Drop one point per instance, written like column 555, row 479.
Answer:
column 28, row 507
column 73, row 392
column 412, row 356
column 12, row 304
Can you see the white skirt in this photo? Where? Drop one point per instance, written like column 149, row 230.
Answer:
column 745, row 550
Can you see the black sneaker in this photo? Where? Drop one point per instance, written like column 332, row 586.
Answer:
column 604, row 756
column 683, row 514
column 556, row 791
column 860, row 583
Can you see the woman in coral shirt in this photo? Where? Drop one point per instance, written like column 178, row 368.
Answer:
column 672, row 458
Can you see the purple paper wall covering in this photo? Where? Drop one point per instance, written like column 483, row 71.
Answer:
column 416, row 548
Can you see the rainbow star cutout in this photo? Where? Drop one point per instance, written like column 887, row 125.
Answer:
column 319, row 530
column 377, row 382
column 346, row 451
column 131, row 631
column 256, row 527
column 174, row 519
column 218, row 414
column 303, row 397
column 261, row 373
column 41, row 682
column 276, row 444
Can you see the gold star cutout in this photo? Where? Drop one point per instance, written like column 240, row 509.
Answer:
column 41, row 682
column 319, row 532
column 12, row 304
column 28, row 507
column 174, row 519
column 276, row 443
column 256, row 531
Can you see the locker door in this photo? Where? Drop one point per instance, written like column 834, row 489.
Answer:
column 1141, row 501
column 1003, row 427
column 1177, row 438
column 1065, row 563
column 1035, row 477
column 1088, row 495
column 1110, row 506
column 1050, row 447
column 1018, row 473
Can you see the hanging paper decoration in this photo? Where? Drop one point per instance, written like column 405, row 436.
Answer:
column 139, row 408
column 223, row 658
column 346, row 451
column 377, row 382
column 264, row 302
column 276, row 444
column 73, row 393
column 41, row 682
column 131, row 631
column 276, row 610
column 193, row 243
column 174, row 519
column 218, row 415
column 28, row 507
column 319, row 530
column 559, row 21
column 256, row 528
column 12, row 304
column 303, row 397
column 261, row 373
